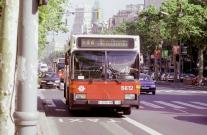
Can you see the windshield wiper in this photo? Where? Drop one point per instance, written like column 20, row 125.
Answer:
column 114, row 74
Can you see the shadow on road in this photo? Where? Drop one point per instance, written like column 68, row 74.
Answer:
column 184, row 113
column 57, row 108
column 195, row 119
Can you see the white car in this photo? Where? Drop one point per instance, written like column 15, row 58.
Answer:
column 164, row 77
column 170, row 77
column 43, row 68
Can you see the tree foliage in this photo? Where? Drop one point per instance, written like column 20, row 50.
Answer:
column 176, row 20
column 50, row 19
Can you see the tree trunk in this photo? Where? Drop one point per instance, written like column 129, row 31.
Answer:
column 175, row 68
column 8, row 45
column 201, row 63
column 156, row 69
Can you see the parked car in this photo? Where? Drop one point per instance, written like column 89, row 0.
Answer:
column 181, row 77
column 170, row 76
column 163, row 77
column 147, row 84
column 50, row 79
column 189, row 79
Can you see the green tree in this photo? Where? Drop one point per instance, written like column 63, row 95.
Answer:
column 195, row 30
column 187, row 22
column 8, row 47
column 50, row 19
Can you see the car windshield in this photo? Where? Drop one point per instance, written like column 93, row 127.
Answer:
column 51, row 75
column 104, row 64
column 43, row 67
column 145, row 78
column 60, row 66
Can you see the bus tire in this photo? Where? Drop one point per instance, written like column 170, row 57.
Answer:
column 127, row 111
column 64, row 91
column 67, row 100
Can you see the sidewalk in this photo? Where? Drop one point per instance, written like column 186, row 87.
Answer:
column 43, row 126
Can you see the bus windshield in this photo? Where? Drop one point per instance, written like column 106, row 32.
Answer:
column 105, row 65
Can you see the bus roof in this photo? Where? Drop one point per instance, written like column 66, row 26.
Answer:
column 107, row 36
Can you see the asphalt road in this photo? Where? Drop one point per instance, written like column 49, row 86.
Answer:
column 174, row 110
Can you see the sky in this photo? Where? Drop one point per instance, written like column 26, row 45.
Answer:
column 107, row 7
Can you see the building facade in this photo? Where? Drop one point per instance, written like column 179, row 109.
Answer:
column 82, row 21
column 129, row 14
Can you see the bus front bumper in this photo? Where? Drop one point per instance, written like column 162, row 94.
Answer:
column 105, row 103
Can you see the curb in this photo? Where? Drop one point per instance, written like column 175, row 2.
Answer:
column 43, row 126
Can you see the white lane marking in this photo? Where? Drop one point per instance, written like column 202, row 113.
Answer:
column 204, row 92
column 93, row 120
column 151, row 105
column 75, row 120
column 170, row 105
column 115, row 129
column 199, row 103
column 142, row 126
column 189, row 105
column 60, row 120
column 113, row 121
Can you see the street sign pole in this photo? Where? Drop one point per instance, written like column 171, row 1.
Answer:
column 26, row 114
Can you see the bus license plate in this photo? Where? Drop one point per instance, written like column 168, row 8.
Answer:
column 105, row 102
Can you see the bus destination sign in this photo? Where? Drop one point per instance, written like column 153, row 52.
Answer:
column 106, row 43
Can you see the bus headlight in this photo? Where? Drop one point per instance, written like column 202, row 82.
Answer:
column 80, row 96
column 130, row 96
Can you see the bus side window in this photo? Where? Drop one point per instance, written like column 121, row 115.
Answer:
column 67, row 58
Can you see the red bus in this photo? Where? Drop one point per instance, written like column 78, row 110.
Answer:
column 102, row 71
